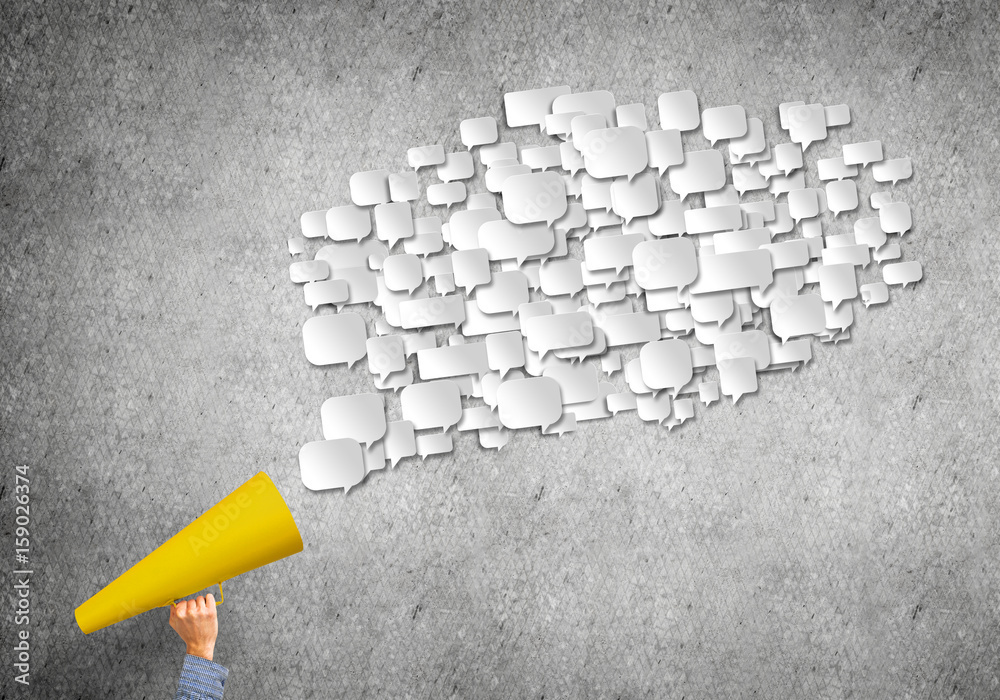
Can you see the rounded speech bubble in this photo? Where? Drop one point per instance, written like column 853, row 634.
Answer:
column 359, row 417
column 616, row 152
column 701, row 171
column 334, row 338
column 531, row 402
column 534, row 198
column 478, row 132
column 331, row 464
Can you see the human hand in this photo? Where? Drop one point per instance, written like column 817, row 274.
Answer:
column 196, row 622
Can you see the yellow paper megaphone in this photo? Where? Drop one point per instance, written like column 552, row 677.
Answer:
column 249, row 528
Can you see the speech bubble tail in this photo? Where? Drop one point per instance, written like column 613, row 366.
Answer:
column 805, row 145
column 737, row 397
column 393, row 461
column 347, row 489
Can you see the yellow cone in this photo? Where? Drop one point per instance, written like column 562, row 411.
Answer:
column 249, row 528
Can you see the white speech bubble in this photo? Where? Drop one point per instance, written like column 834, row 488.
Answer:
column 527, row 403
column 631, row 115
column 615, row 152
column 437, row 311
column 841, row 195
column 313, row 224
column 701, row 171
column 863, row 154
column 386, row 354
column 668, row 219
column 482, row 200
column 665, row 364
column 504, row 351
column 534, row 197
column 621, row 401
column 721, row 123
column 399, row 441
column 637, row 197
column 654, row 408
column 422, row 156
column 334, row 338
column 471, row 268
column 803, row 204
column 498, row 153
column 874, row 293
column 308, row 271
column 708, row 392
column 903, row 273
column 465, row 225
column 895, row 217
column 577, row 383
column 611, row 252
column 359, row 417
column 574, row 218
column 572, row 159
column 559, row 277
column 456, row 166
column 664, row 148
column 796, row 315
column 498, row 175
column 893, row 170
column 446, row 193
column 331, row 464
column 434, row 444
column 530, row 107
column 752, row 344
column 837, row 115
column 403, row 187
column 595, row 194
column 783, row 109
column 555, row 331
column 753, row 141
column 478, row 132
column 325, row 292
column 452, row 361
column 393, row 222
column 477, row 418
column 362, row 284
column 348, row 223
column 371, row 187
column 806, row 124
column 436, row 404
column 715, row 307
column 713, row 219
column 869, row 231
column 505, row 292
column 835, row 169
column 890, row 251
column 787, row 158
column 880, row 199
column 679, row 110
column 582, row 125
column 596, row 102
column 296, row 245
column 665, row 263
column 838, row 283
column 738, row 377
column 505, row 240
column 629, row 328
column 542, row 158
column 561, row 124
column 751, row 268
column 423, row 244
column 403, row 273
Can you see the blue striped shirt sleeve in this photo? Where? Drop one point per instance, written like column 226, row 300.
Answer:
column 201, row 679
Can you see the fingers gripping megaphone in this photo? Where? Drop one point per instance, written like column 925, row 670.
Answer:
column 247, row 529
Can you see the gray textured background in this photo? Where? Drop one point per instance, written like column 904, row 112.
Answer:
column 834, row 535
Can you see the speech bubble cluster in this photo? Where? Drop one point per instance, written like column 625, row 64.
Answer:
column 613, row 268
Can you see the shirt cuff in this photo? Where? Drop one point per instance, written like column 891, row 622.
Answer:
column 202, row 679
